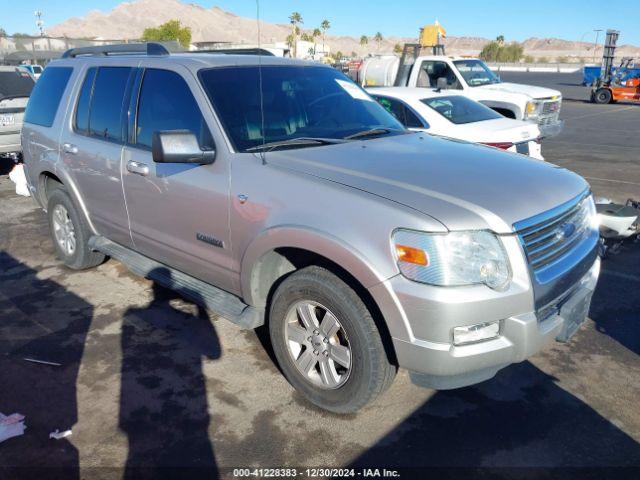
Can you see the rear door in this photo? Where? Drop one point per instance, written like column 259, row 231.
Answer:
column 92, row 143
column 179, row 213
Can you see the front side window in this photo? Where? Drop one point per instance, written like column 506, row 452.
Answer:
column 166, row 103
column 476, row 73
column 431, row 71
column 46, row 95
column 105, row 112
column 401, row 111
column 298, row 101
column 458, row 109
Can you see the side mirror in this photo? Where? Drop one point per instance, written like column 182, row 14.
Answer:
column 441, row 84
column 179, row 146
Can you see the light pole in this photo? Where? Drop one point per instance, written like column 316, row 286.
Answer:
column 595, row 47
column 39, row 22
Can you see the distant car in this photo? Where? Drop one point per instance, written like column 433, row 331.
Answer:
column 35, row 70
column 15, row 87
column 448, row 114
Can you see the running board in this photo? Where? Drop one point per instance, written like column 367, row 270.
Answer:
column 223, row 303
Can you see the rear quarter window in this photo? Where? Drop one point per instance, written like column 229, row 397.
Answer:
column 46, row 95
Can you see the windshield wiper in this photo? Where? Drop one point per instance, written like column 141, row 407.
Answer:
column 295, row 142
column 372, row 132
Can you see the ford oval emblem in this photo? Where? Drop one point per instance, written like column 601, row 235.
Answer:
column 566, row 230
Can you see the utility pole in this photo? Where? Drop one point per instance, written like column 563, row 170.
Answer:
column 39, row 22
column 595, row 47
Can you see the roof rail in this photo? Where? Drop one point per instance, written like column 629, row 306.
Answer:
column 237, row 51
column 150, row 48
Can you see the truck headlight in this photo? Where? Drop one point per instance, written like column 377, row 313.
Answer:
column 531, row 110
column 452, row 259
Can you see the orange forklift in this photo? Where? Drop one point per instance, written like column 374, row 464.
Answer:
column 621, row 86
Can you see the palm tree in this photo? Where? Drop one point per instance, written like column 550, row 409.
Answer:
column 364, row 40
column 378, row 38
column 500, row 39
column 296, row 19
column 315, row 34
column 324, row 25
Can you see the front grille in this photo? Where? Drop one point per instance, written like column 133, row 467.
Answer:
column 550, row 107
column 552, row 238
column 549, row 112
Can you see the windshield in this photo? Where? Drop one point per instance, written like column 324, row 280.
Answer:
column 459, row 109
column 15, row 83
column 476, row 72
column 299, row 102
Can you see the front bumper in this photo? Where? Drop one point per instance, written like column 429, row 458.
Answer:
column 439, row 364
column 551, row 129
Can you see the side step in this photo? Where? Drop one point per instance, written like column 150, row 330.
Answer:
column 223, row 303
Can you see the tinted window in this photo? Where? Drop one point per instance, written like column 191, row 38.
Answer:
column 399, row 110
column 15, row 82
column 105, row 113
column 82, row 109
column 458, row 109
column 166, row 103
column 46, row 95
column 299, row 101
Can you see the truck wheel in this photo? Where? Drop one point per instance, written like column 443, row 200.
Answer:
column 70, row 232
column 602, row 96
column 326, row 341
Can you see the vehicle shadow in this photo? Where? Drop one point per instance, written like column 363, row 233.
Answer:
column 41, row 320
column 520, row 424
column 616, row 301
column 6, row 165
column 163, row 397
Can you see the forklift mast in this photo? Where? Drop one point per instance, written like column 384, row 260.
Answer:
column 608, row 55
column 410, row 54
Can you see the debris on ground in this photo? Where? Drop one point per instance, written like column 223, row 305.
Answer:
column 43, row 362
column 11, row 426
column 59, row 435
column 18, row 177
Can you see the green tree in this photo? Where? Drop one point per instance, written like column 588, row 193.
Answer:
column 296, row 20
column 378, row 39
column 495, row 52
column 3, row 32
column 171, row 30
column 397, row 48
column 500, row 39
column 364, row 40
column 315, row 34
column 324, row 26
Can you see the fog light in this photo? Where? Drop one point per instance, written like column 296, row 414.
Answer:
column 476, row 333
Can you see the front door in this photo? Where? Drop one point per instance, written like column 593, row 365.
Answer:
column 179, row 213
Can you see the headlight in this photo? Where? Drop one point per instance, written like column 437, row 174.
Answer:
column 452, row 259
column 531, row 109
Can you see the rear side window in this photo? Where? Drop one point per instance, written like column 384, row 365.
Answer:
column 399, row 110
column 46, row 96
column 105, row 111
column 84, row 99
column 166, row 103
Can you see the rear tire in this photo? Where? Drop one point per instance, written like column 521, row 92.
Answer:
column 602, row 96
column 326, row 341
column 70, row 232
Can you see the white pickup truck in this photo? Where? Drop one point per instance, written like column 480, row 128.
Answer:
column 474, row 79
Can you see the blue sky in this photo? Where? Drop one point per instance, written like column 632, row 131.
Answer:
column 568, row 19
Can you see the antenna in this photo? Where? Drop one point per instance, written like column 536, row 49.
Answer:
column 262, row 131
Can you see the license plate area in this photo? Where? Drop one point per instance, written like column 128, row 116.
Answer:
column 574, row 312
column 523, row 148
column 7, row 120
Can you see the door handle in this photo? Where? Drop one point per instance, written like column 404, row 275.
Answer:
column 70, row 148
column 138, row 168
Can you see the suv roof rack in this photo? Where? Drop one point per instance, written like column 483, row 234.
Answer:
column 237, row 51
column 150, row 48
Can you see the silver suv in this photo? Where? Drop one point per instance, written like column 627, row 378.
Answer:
column 15, row 87
column 277, row 192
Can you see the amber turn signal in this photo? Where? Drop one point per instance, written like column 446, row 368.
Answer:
column 412, row 255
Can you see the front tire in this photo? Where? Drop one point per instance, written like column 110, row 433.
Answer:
column 602, row 96
column 70, row 232
column 326, row 341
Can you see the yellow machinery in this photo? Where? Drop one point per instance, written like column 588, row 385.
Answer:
column 432, row 35
column 430, row 38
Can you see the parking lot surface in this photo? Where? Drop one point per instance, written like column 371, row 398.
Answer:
column 147, row 379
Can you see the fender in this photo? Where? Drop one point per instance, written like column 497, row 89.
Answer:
column 517, row 111
column 316, row 241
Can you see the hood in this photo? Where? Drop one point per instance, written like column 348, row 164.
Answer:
column 462, row 185
column 529, row 90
